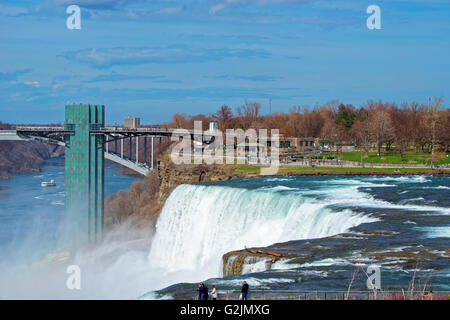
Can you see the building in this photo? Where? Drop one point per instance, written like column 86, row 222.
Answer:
column 297, row 143
column 132, row 122
column 213, row 126
column 330, row 146
column 250, row 147
column 348, row 148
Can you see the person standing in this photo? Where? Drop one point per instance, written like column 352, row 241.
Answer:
column 200, row 291
column 244, row 290
column 205, row 292
column 214, row 292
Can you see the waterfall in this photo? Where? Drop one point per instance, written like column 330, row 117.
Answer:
column 200, row 223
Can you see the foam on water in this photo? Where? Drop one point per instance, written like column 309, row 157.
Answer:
column 442, row 187
column 254, row 282
column 283, row 264
column 351, row 196
column 259, row 266
column 359, row 183
column 325, row 263
column 279, row 179
column 403, row 179
column 437, row 232
column 278, row 188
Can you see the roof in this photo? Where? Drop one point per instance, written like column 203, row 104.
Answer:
column 250, row 144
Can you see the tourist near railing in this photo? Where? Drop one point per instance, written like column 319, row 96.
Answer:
column 259, row 294
column 351, row 164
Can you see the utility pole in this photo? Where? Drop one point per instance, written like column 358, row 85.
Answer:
column 432, row 132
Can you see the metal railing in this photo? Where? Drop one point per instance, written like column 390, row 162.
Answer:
column 69, row 127
column 40, row 128
column 333, row 295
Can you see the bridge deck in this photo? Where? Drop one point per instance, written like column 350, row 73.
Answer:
column 111, row 130
column 28, row 134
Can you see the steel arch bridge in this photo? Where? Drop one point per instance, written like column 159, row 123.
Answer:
column 88, row 142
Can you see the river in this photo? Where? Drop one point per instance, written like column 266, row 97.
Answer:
column 31, row 214
column 327, row 226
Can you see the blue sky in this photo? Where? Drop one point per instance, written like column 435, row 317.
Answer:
column 157, row 57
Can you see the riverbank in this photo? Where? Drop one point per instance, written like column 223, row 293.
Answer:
column 342, row 171
column 25, row 156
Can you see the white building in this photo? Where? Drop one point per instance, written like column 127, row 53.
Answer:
column 132, row 122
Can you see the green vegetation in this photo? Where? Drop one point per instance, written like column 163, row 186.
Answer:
column 391, row 157
column 330, row 170
column 247, row 168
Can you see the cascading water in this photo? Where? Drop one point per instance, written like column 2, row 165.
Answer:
column 202, row 222
column 199, row 223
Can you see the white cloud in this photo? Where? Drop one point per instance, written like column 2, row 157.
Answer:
column 35, row 84
column 174, row 54
column 222, row 5
column 169, row 11
column 14, row 11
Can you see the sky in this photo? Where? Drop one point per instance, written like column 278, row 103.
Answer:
column 153, row 58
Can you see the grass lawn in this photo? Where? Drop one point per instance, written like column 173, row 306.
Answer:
column 308, row 170
column 392, row 157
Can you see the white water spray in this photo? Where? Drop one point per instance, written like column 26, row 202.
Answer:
column 199, row 224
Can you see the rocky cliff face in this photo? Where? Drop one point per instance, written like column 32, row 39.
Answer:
column 25, row 156
column 249, row 260
column 171, row 176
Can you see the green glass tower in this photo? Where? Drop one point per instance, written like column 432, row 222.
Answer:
column 84, row 173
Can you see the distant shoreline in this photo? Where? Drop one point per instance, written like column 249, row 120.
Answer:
column 342, row 171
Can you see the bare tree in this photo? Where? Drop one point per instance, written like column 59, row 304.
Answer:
column 180, row 121
column 249, row 113
column 224, row 117
column 432, row 117
column 381, row 127
column 403, row 128
column 294, row 120
column 442, row 129
column 361, row 133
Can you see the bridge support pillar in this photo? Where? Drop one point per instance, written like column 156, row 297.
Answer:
column 84, row 173
column 137, row 150
column 145, row 149
column 152, row 153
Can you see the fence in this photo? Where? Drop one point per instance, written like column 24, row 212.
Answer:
column 334, row 295
column 351, row 164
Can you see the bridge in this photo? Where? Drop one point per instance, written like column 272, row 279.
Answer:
column 88, row 142
column 119, row 137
